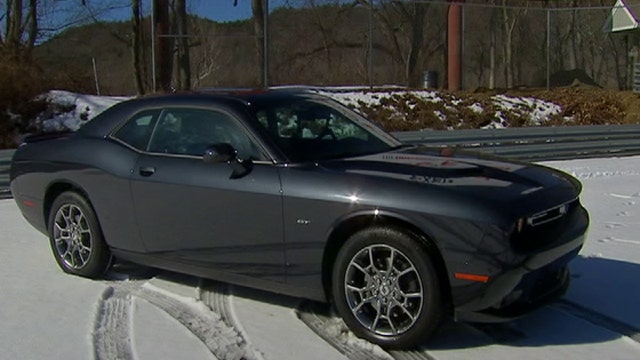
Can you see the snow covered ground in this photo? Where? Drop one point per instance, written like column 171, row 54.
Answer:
column 145, row 314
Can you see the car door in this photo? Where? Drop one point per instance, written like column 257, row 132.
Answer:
column 197, row 213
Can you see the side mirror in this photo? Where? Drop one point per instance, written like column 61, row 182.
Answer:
column 218, row 153
column 224, row 152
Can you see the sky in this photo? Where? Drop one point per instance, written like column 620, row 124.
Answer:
column 219, row 10
column 56, row 15
column 222, row 10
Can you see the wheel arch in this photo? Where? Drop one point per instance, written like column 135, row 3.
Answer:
column 54, row 190
column 100, row 258
column 351, row 225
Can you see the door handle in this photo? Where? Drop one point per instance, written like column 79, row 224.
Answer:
column 147, row 170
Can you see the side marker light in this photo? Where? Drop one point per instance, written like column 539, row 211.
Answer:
column 472, row 277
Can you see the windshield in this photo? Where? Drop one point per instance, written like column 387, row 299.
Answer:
column 310, row 130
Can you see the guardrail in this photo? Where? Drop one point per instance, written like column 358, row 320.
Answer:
column 537, row 143
column 529, row 144
column 5, row 161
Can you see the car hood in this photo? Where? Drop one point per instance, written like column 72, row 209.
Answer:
column 473, row 175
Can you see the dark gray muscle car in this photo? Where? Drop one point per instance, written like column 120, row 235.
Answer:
column 291, row 192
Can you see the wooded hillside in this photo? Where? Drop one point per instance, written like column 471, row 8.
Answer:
column 328, row 43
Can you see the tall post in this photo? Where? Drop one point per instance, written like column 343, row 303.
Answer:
column 95, row 75
column 463, row 30
column 370, row 63
column 164, row 56
column 153, row 45
column 548, row 49
column 454, row 45
column 265, row 49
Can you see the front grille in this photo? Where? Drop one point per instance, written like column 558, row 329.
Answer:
column 544, row 227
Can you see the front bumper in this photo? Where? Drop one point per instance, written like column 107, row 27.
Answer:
column 540, row 279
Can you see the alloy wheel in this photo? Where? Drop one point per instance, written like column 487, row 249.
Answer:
column 383, row 289
column 72, row 236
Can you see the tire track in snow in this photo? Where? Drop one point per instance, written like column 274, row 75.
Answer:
column 411, row 355
column 599, row 319
column 222, row 340
column 112, row 332
column 215, row 296
column 333, row 330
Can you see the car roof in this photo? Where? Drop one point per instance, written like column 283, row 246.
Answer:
column 104, row 123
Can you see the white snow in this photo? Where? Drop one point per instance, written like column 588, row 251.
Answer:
column 46, row 314
column 173, row 342
column 537, row 110
column 272, row 325
column 476, row 108
column 71, row 110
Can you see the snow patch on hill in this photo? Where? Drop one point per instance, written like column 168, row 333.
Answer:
column 69, row 111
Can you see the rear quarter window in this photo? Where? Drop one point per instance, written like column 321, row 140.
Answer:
column 136, row 132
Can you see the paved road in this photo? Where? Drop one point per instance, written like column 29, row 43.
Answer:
column 5, row 161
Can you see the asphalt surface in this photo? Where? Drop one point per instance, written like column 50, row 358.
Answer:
column 5, row 162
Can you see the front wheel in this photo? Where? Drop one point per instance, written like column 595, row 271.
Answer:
column 76, row 238
column 386, row 289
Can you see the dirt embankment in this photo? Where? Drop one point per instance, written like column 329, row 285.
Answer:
column 579, row 105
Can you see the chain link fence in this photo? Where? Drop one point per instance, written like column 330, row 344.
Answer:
column 505, row 44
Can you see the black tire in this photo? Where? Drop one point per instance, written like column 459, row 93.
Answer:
column 363, row 291
column 76, row 238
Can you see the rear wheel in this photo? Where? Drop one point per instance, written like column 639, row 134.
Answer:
column 76, row 238
column 386, row 289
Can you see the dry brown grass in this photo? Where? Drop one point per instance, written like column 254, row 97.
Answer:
column 584, row 105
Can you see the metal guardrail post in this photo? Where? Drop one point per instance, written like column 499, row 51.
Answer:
column 5, row 163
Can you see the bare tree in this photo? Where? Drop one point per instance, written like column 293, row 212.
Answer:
column 258, row 14
column 206, row 61
column 182, row 54
column 510, row 19
column 404, row 25
column 164, row 56
column 492, row 47
column 136, row 46
column 21, row 31
column 257, row 9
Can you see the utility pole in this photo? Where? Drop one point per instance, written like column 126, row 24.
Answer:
column 163, row 58
column 454, row 45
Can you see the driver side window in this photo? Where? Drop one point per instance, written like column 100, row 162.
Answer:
column 309, row 120
column 191, row 131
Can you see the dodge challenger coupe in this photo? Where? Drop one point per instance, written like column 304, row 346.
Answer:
column 291, row 192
